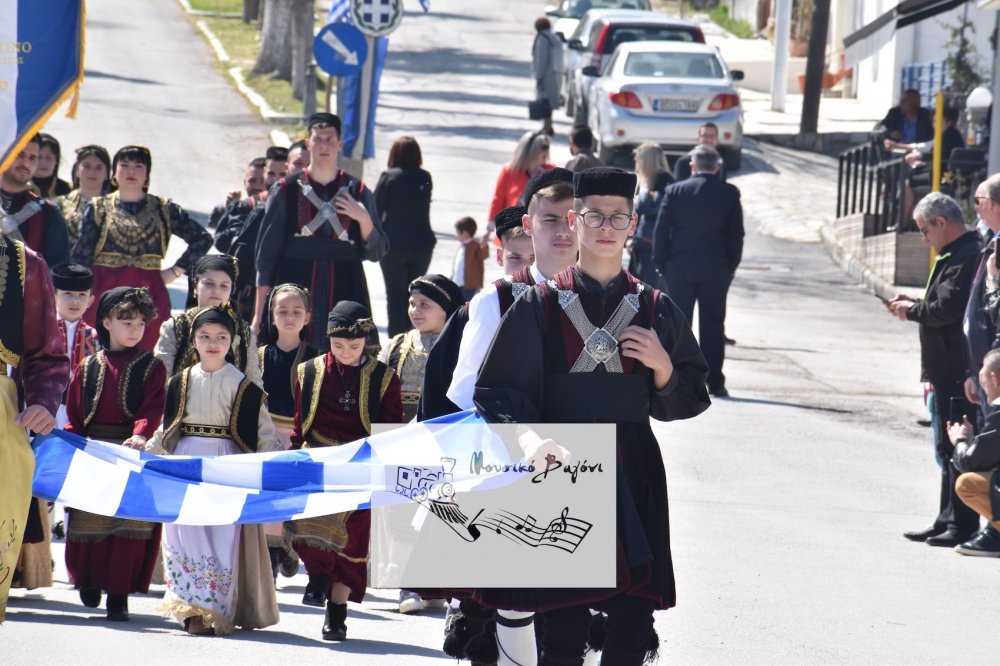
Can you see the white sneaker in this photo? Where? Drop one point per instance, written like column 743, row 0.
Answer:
column 410, row 602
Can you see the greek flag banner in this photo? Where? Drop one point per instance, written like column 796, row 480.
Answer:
column 41, row 65
column 112, row 480
column 338, row 10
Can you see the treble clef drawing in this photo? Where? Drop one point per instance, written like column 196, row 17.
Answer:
column 558, row 525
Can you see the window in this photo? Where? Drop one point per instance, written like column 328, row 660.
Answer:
column 674, row 65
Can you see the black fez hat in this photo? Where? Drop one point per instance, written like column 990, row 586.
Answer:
column 276, row 153
column 107, row 303
column 542, row 180
column 217, row 314
column 609, row 181
column 349, row 319
column 323, row 119
column 507, row 219
column 439, row 289
column 72, row 277
column 226, row 263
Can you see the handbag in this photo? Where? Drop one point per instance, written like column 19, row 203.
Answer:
column 539, row 109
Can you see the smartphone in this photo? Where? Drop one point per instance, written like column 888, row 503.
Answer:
column 344, row 190
column 885, row 301
column 956, row 409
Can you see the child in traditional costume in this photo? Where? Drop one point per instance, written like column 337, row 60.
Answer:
column 211, row 284
column 218, row 577
column 284, row 333
column 116, row 395
column 337, row 398
column 433, row 299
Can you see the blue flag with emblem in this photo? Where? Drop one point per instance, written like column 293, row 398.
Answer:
column 41, row 65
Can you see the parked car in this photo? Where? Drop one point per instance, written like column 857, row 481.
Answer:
column 662, row 92
column 600, row 31
column 567, row 13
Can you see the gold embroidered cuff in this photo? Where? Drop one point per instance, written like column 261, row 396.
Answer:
column 147, row 262
column 317, row 439
column 283, row 421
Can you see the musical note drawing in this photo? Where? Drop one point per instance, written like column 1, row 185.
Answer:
column 558, row 525
column 565, row 532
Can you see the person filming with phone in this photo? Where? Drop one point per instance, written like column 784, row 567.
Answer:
column 942, row 347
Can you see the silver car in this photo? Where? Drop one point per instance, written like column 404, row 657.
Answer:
column 566, row 13
column 661, row 92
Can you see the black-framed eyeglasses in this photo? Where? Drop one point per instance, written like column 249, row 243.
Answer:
column 595, row 219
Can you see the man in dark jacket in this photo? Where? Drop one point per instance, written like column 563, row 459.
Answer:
column 979, row 457
column 943, row 354
column 697, row 245
column 909, row 122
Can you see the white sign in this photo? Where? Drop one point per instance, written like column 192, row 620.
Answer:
column 377, row 18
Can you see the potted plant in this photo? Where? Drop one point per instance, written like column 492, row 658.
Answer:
column 802, row 12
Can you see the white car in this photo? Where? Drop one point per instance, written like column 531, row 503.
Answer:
column 566, row 13
column 661, row 92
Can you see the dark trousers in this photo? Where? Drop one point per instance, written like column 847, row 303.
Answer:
column 710, row 295
column 953, row 512
column 399, row 268
column 629, row 633
column 641, row 264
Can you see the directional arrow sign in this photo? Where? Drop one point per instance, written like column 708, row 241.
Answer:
column 340, row 49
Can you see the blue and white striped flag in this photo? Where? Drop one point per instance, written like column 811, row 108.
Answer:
column 112, row 480
column 41, row 65
column 425, row 5
column 338, row 10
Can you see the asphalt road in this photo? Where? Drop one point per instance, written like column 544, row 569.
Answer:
column 788, row 500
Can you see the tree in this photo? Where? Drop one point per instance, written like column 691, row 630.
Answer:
column 285, row 42
column 251, row 10
column 815, row 65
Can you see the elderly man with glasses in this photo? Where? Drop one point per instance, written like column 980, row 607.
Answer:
column 697, row 246
column 943, row 349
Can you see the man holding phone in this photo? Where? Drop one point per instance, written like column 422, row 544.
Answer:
column 942, row 349
column 318, row 227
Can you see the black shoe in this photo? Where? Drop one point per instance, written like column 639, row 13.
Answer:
column 59, row 530
column 118, row 607
column 948, row 539
column 335, row 624
column 729, row 341
column 316, row 591
column 925, row 534
column 719, row 392
column 90, row 596
column 986, row 543
column 275, row 554
column 924, row 423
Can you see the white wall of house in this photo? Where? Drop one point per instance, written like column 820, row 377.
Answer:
column 877, row 79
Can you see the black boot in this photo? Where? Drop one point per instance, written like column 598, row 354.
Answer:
column 90, row 596
column 118, row 607
column 335, row 624
column 276, row 553
column 316, row 590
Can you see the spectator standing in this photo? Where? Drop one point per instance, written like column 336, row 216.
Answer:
column 708, row 135
column 468, row 270
column 46, row 179
column 581, row 147
column 531, row 157
column 697, row 246
column 654, row 177
column 942, row 348
column 547, row 65
column 403, row 199
column 91, row 178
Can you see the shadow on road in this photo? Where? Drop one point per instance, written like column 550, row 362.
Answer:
column 781, row 403
column 91, row 74
column 455, row 61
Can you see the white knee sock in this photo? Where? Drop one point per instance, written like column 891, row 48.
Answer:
column 516, row 644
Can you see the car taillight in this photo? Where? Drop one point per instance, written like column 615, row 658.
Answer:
column 625, row 98
column 599, row 44
column 699, row 36
column 724, row 101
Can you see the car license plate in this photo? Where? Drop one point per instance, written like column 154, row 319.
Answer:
column 675, row 104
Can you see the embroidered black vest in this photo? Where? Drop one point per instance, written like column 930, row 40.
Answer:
column 375, row 378
column 510, row 287
column 13, row 270
column 130, row 388
column 243, row 421
column 239, row 353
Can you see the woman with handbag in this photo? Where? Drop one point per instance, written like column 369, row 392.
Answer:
column 546, row 65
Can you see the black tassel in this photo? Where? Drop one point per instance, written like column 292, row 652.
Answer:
column 456, row 634
column 652, row 649
column 597, row 632
column 482, row 647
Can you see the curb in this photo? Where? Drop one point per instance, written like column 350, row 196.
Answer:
column 220, row 50
column 856, row 268
column 236, row 74
column 280, row 138
column 186, row 5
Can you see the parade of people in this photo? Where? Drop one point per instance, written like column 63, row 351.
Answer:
column 288, row 397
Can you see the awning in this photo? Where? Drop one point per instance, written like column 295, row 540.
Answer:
column 867, row 41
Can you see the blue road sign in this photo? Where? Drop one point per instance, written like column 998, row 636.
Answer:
column 340, row 49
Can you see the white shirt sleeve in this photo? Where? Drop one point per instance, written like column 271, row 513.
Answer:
column 484, row 320
column 458, row 268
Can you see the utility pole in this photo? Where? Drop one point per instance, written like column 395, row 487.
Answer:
column 779, row 70
column 815, row 65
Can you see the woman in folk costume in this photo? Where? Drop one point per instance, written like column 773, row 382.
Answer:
column 218, row 577
column 337, row 398
column 91, row 178
column 124, row 237
column 212, row 281
column 284, row 333
column 116, row 395
column 433, row 298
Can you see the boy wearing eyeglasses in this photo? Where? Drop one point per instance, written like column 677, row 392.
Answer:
column 596, row 345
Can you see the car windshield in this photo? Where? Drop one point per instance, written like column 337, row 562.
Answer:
column 646, row 33
column 674, row 65
column 577, row 8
